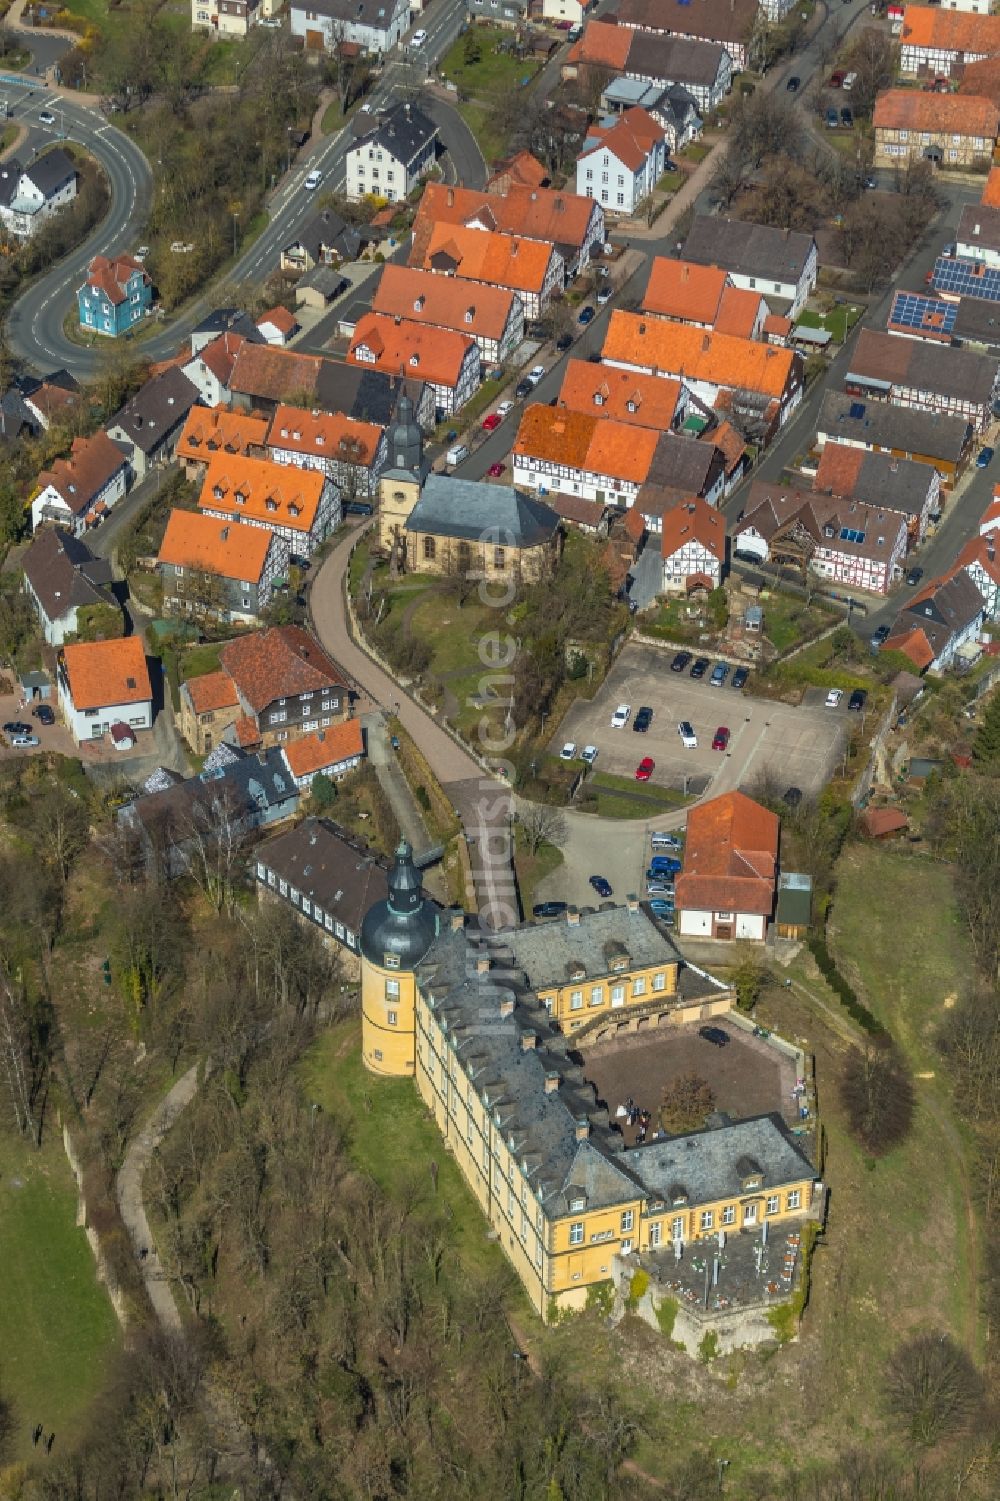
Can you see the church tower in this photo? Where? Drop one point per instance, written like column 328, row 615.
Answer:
column 395, row 935
column 399, row 483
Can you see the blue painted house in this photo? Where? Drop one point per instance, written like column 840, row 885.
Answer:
column 116, row 295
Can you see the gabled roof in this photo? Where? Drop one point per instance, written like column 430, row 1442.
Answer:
column 602, row 45
column 474, row 511
column 211, row 430
column 959, row 114
column 273, row 374
column 404, row 132
column 942, row 609
column 422, row 297
column 278, row 663
column 101, row 673
column 624, row 395
column 156, row 410
column 938, row 435
column 326, row 230
column 480, row 255
column 945, row 371
column 949, row 30
column 260, row 491
column 991, row 192
column 112, row 276
column 587, row 441
column 50, row 171
column 329, row 435
column 434, row 354
column 522, row 170
column 209, row 545
column 748, row 249
column 685, row 290
column 716, row 20
column 219, row 357
column 92, row 463
column 730, row 857
column 280, row 318
column 694, row 520
column 211, row 692
column 630, row 139
column 313, row 753
column 875, row 478
column 550, row 215
column 64, row 574
column 729, row 443
column 329, row 867
column 678, row 349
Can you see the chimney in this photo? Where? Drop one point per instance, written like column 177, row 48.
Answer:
column 573, row 917
column 685, row 271
column 451, row 197
column 551, row 1083
column 457, row 921
column 507, row 1006
column 529, row 1042
column 482, row 964
column 224, row 534
column 706, row 342
column 513, row 249
column 581, row 1128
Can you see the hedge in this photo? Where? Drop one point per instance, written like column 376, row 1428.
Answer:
column 854, row 1007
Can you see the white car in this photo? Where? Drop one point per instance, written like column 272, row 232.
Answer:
column 313, row 181
column 504, row 408
column 589, row 754
column 689, row 739
column 568, row 752
column 46, row 117
column 24, row 742
column 141, row 254
column 535, row 374
column 605, row 295
column 620, row 717
column 418, row 39
column 833, row 697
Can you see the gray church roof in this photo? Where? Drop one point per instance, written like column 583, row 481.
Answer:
column 475, row 511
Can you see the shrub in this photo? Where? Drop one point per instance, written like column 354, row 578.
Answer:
column 877, row 1093
column 666, row 1316
column 601, row 1298
column 708, row 1350
column 783, row 1321
column 854, row 1007
column 686, row 1103
column 637, row 1289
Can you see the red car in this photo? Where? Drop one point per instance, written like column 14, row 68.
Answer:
column 491, row 422
column 495, row 470
column 644, row 770
column 721, row 740
column 836, row 79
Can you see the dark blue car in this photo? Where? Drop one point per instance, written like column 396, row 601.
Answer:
column 586, row 315
column 664, row 864
column 601, row 886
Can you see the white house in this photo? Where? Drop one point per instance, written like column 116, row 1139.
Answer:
column 693, row 547
column 103, row 684
column 781, row 264
column 278, row 326
column 351, row 453
column 79, row 491
column 331, row 753
column 942, row 623
column 62, row 577
column 622, row 161
column 391, row 159
column 375, row 25
column 30, row 195
column 228, row 17
column 726, row 888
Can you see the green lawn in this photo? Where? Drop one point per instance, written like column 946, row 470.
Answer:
column 623, row 797
column 838, row 321
column 333, row 118
column 94, row 11
column 787, row 619
column 197, row 660
column 532, row 870
column 492, row 72
column 57, row 1327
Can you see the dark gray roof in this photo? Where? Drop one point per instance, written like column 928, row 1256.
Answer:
column 713, row 1164
column 155, row 411
column 326, row 230
column 546, row 952
column 689, row 464
column 674, row 59
column 228, row 320
column 51, row 171
column 328, row 866
column 15, row 416
column 327, row 280
column 377, row 14
column 945, row 609
column 475, row 511
column 892, row 484
column 365, row 395
column 405, row 922
column 978, row 321
column 242, row 794
column 979, row 227
column 64, row 574
column 10, row 176
column 905, row 429
column 404, row 132
column 748, row 249
column 888, row 361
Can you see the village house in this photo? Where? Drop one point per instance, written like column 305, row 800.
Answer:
column 622, row 161
column 910, row 373
column 841, row 540
column 959, row 130
column 222, row 320
column 374, row 25
column 46, row 399
column 670, row 105
column 491, row 316
column 980, row 560
column 940, row 40
column 693, row 547
column 116, row 295
column 330, row 753
column 326, row 240
column 682, row 466
column 104, row 687
column 209, row 705
column 531, row 268
column 910, row 489
column 148, row 427
column 727, row 22
column 213, row 430
column 325, row 875
column 263, row 379
column 229, row 18
column 351, row 454
column 932, row 438
column 301, row 505
column 278, row 326
column 218, row 569
column 31, row 195
column 978, row 237
column 389, row 160
column 704, row 69
column 448, row 361
column 623, row 395
column 572, row 223
column 781, row 264
column 78, row 492
column 582, row 453
column 726, row 888
column 522, row 170
column 286, row 685
column 940, row 626
column 704, row 296
column 210, row 367
column 61, row 578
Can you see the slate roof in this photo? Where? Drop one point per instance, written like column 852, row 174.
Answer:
column 49, row 172
column 222, row 320
column 934, row 434
column 942, row 370
column 240, row 792
column 706, row 1164
column 979, row 227
column 977, row 321
column 330, row 867
column 366, row 395
column 748, row 249
column 64, row 574
column 326, row 230
column 156, row 410
column 475, row 511
column 404, row 132
column 546, row 952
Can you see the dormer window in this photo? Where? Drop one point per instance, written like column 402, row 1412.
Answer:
column 631, row 406
column 598, row 399
column 284, row 432
column 217, row 491
column 620, row 964
column 470, row 314
column 296, row 434
column 293, row 509
column 414, row 359
column 240, row 498
column 271, row 505
column 577, row 1206
column 391, row 961
column 320, row 439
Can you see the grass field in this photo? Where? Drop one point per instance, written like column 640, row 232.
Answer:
column 481, row 81
column 788, row 619
column 623, row 797
column 838, row 321
column 57, row 1327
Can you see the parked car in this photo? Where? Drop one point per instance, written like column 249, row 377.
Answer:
column 879, row 638
column 836, row 79
column 564, row 342
column 740, row 677
column 495, row 470
column 492, row 422
column 645, row 769
column 43, row 714
column 669, row 166
column 418, row 39
column 665, row 841
column 689, row 739
column 586, row 315
column 504, row 408
column 568, row 752
column 984, row 458
column 720, row 740
column 605, row 295
column 664, row 865
column 793, row 84
column 549, row 909
column 719, row 674
column 714, row 1035
column 662, row 909
column 857, row 700
column 643, row 720
column 847, row 118
column 914, row 576
column 358, row 508
column 535, row 374
column 24, row 742
column 833, row 697
column 524, row 388
column 699, row 667
column 680, row 661
column 660, row 889
column 601, row 886
column 620, row 717
column 832, row 119
column 46, row 117
column 589, row 754
column 15, row 727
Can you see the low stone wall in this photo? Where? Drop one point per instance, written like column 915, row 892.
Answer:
column 104, row 1272
column 702, row 1332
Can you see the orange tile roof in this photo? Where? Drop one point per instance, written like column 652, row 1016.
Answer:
column 209, row 545
column 209, row 429
column 272, row 373
column 699, row 354
column 991, row 192
column 728, row 441
column 730, row 857
column 245, row 732
column 520, row 170
column 446, row 301
column 92, row 463
column 328, row 434
column 630, row 138
column 685, row 291
column 958, row 114
column 949, row 30
column 982, row 77
column 625, row 395
column 325, row 748
column 279, row 318
column 913, row 644
column 213, row 690
column 419, row 350
column 102, row 673
column 221, row 354
column 111, row 276
column 981, row 550
column 838, row 469
column 278, row 663
column 991, row 515
column 739, row 312
column 480, row 255
column 580, row 440
column 694, row 520
column 274, row 494
column 603, row 45
column 547, row 214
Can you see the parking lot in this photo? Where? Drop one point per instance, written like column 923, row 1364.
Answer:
column 791, row 747
column 747, row 1077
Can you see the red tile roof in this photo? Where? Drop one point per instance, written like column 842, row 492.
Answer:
column 838, row 469
column 739, row 312
column 221, row 354
column 499, row 260
column 913, row 644
column 278, row 663
column 685, row 291
column 991, row 192
column 730, row 857
column 262, row 370
column 213, row 690
column 699, row 354
column 445, row 301
column 949, row 30
column 280, row 318
column 878, row 822
column 957, row 114
column 324, row 749
column 630, row 139
column 104, row 673
column 694, row 520
column 593, row 443
column 273, row 495
column 729, row 443
column 522, row 170
column 402, row 346
column 209, row 545
column 92, row 464
column 328, row 434
column 111, row 276
column 625, row 395
column 547, row 214
column 603, row 45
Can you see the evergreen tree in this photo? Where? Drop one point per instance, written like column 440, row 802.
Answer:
column 986, row 746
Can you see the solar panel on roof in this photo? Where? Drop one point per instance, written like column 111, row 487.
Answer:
column 966, row 278
column 850, row 534
column 857, row 410
column 922, row 314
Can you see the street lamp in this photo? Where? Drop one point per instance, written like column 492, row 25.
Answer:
column 236, row 220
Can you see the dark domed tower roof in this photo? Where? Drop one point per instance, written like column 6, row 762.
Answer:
column 406, row 923
column 406, row 441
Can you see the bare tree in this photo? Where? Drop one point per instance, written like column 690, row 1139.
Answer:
column 541, row 823
column 686, row 1104
column 933, row 1386
column 877, row 1093
column 208, row 840
column 25, row 1056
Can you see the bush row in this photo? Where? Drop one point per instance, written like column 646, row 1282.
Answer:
column 854, row 1007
